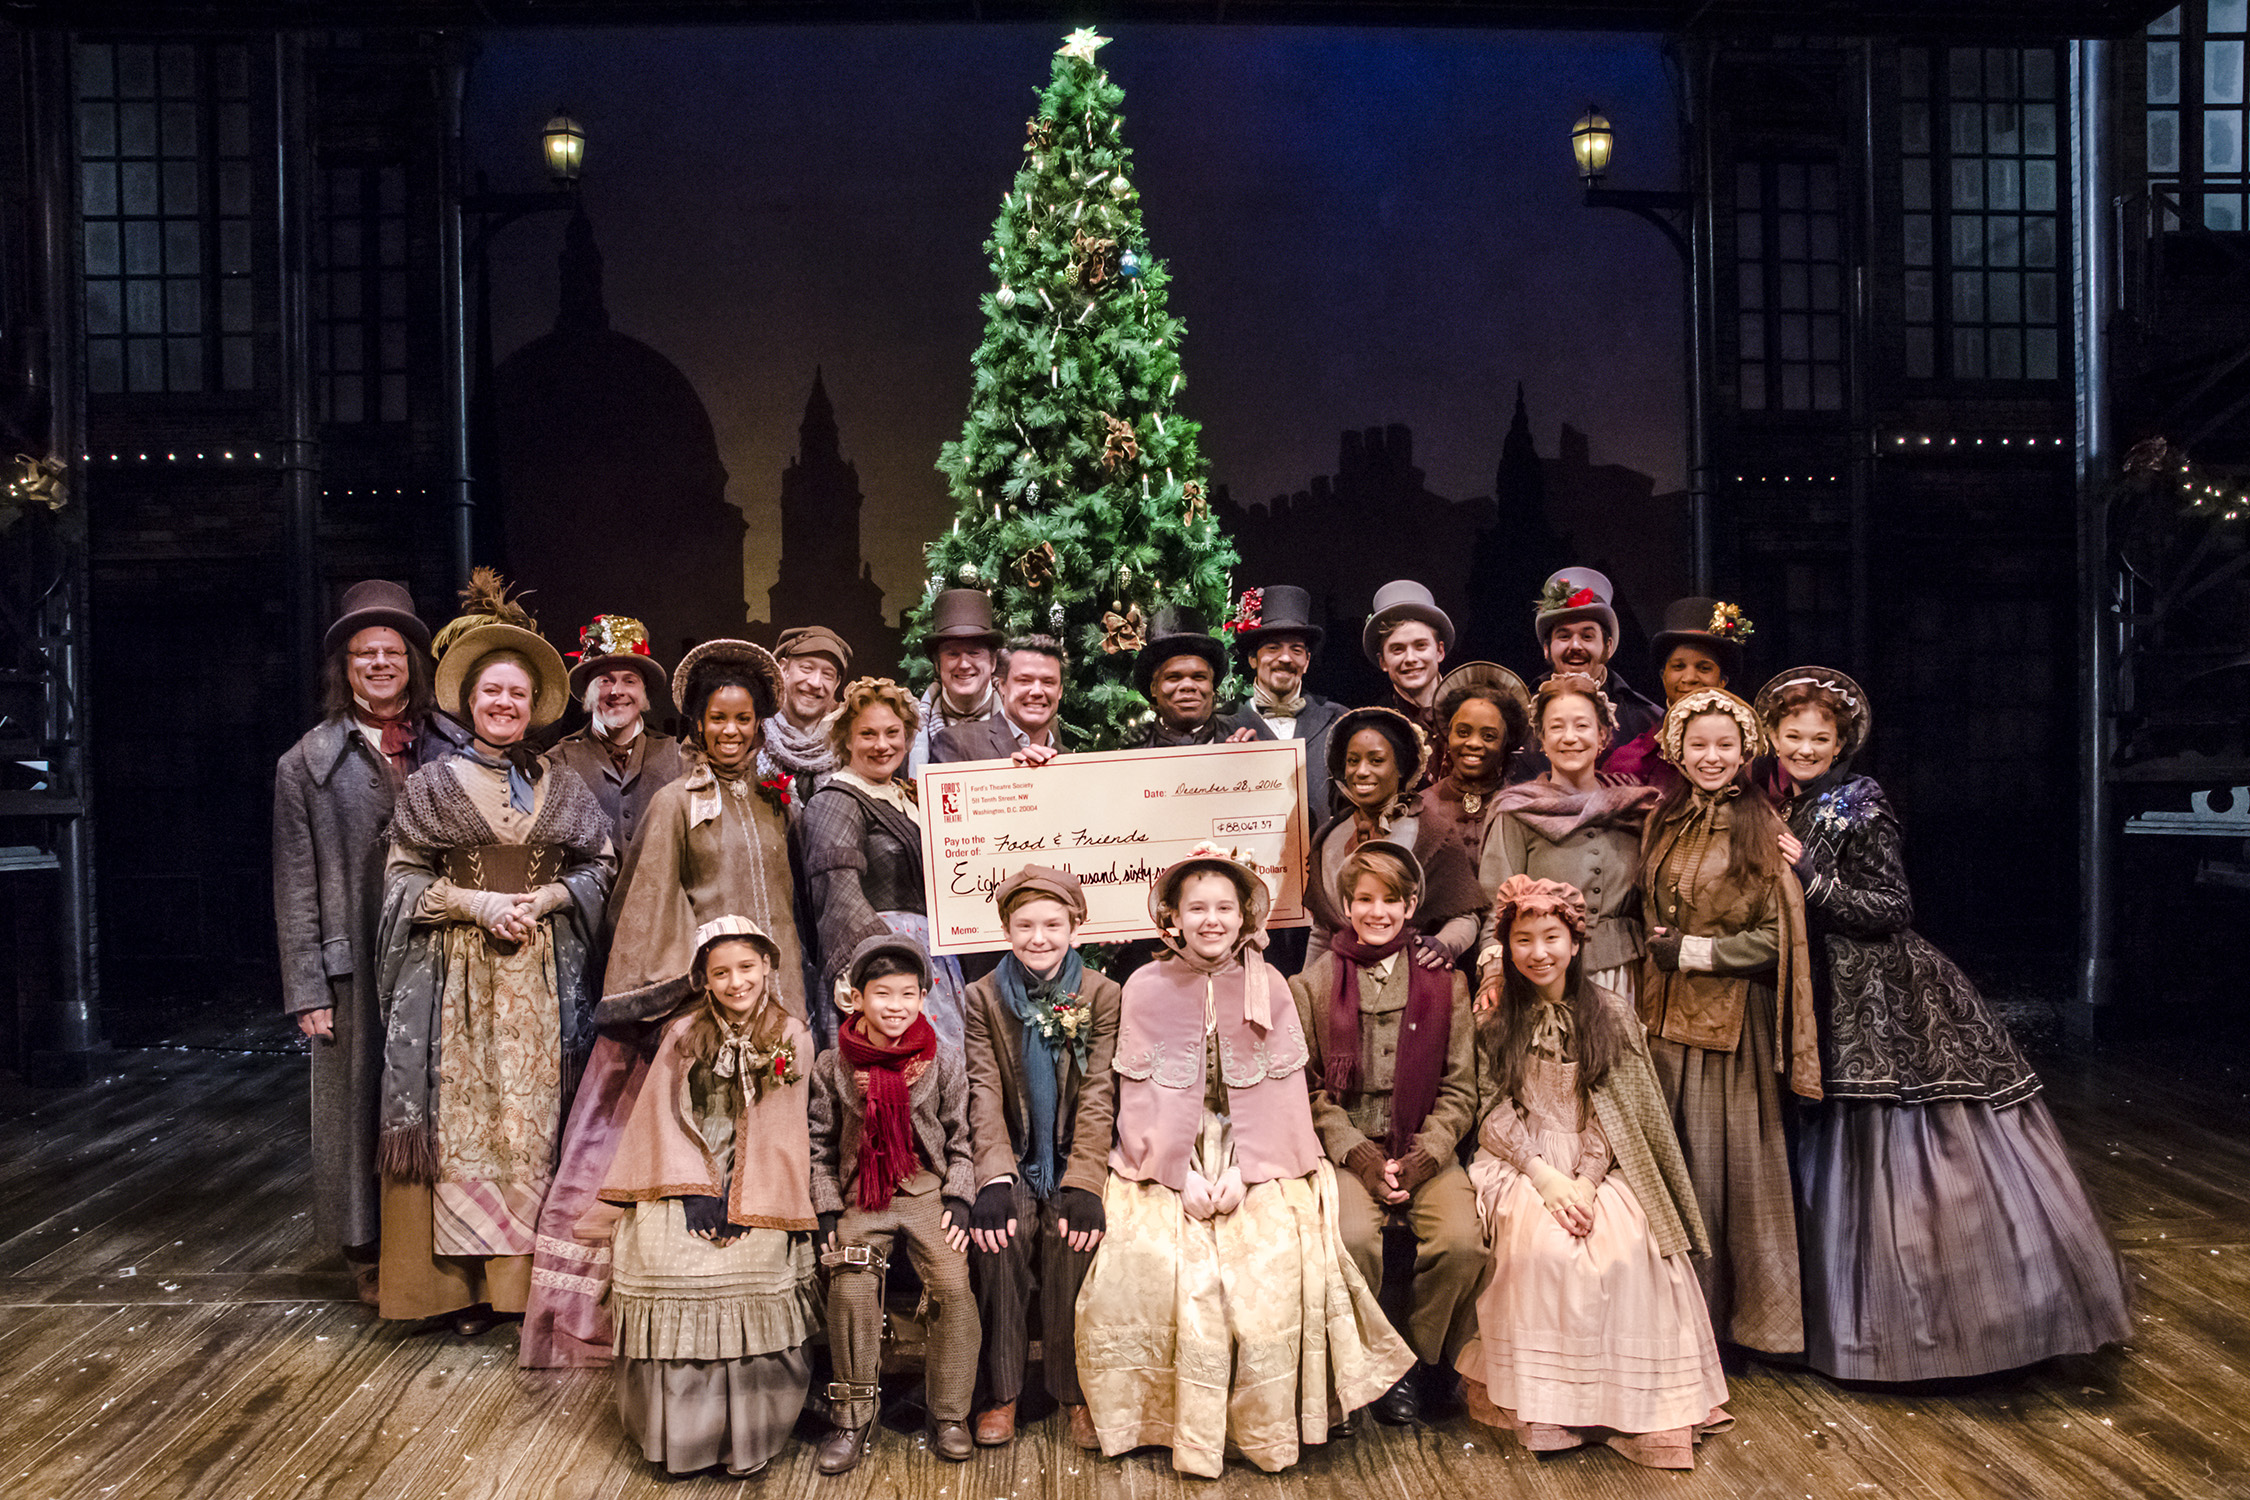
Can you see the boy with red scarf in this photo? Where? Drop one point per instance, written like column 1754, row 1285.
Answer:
column 1394, row 1090
column 891, row 1162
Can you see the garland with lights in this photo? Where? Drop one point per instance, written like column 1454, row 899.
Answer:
column 1079, row 490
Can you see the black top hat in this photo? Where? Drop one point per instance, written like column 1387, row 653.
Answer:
column 378, row 601
column 1177, row 632
column 1277, row 609
column 1706, row 624
column 962, row 615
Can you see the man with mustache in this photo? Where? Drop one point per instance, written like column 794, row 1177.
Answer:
column 1274, row 628
column 332, row 799
column 617, row 754
column 961, row 641
column 1178, row 672
column 1576, row 621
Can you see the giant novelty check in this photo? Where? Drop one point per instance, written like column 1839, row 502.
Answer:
column 1115, row 820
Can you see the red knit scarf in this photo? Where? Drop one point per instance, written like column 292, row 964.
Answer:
column 1422, row 1036
column 886, row 1135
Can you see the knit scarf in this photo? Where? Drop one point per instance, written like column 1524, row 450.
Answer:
column 1422, row 1036
column 794, row 751
column 519, row 760
column 1277, row 708
column 1026, row 995
column 1555, row 812
column 886, row 1135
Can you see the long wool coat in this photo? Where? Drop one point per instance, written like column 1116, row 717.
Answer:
column 331, row 833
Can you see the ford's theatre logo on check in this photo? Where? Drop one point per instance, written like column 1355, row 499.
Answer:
column 949, row 800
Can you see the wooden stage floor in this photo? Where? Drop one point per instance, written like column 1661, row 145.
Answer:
column 166, row 1330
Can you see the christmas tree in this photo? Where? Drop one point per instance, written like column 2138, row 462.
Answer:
column 1080, row 495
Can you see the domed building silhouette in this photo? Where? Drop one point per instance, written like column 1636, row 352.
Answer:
column 612, row 492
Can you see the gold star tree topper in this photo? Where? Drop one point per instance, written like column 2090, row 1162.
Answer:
column 1082, row 43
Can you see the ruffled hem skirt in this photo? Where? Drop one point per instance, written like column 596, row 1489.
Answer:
column 1597, row 1330
column 1252, row 1332
column 1946, row 1239
column 711, row 1366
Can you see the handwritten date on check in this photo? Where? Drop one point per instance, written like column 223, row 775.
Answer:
column 1114, row 819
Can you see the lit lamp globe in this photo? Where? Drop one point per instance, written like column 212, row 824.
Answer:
column 566, row 147
column 1591, row 141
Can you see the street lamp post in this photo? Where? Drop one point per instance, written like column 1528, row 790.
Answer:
column 480, row 216
column 1593, row 142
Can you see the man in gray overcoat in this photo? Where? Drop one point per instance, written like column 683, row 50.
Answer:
column 331, row 833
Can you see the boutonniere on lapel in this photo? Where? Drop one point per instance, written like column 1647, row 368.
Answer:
column 1846, row 806
column 1067, row 1020
column 775, row 791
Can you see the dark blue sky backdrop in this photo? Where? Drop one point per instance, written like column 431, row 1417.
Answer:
column 1362, row 226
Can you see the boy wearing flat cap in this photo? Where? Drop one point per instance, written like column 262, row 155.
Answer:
column 890, row 1164
column 1041, row 1032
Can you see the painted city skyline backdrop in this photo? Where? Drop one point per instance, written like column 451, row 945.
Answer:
column 1364, row 227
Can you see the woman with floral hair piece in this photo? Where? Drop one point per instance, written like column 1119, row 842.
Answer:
column 1945, row 1231
column 1591, row 1327
column 1221, row 1312
column 1726, row 994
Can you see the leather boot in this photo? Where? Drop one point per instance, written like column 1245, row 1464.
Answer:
column 1401, row 1405
column 1082, row 1428
column 950, row 1441
column 996, row 1426
column 841, row 1451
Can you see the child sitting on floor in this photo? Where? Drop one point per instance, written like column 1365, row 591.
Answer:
column 891, row 1161
column 713, row 1294
column 1592, row 1327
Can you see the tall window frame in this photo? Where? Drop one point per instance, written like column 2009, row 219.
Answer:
column 2197, row 92
column 1789, row 286
column 1983, row 233
column 360, row 270
column 166, row 147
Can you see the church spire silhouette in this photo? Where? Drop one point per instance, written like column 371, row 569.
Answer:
column 823, row 578
column 580, row 308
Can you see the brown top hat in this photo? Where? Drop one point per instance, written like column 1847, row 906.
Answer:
column 815, row 640
column 1276, row 609
column 377, row 601
column 614, row 643
column 962, row 615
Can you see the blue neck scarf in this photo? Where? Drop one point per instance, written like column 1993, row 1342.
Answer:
column 1027, row 995
column 519, row 780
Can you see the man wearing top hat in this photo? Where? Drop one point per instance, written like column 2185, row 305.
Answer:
column 814, row 661
column 962, row 643
column 619, row 757
column 1575, row 619
column 1274, row 629
column 1407, row 635
column 332, row 800
column 1178, row 672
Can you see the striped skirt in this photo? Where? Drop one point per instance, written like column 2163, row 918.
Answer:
column 1948, row 1238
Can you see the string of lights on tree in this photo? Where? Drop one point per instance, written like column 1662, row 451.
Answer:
column 1081, row 502
column 2205, row 492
